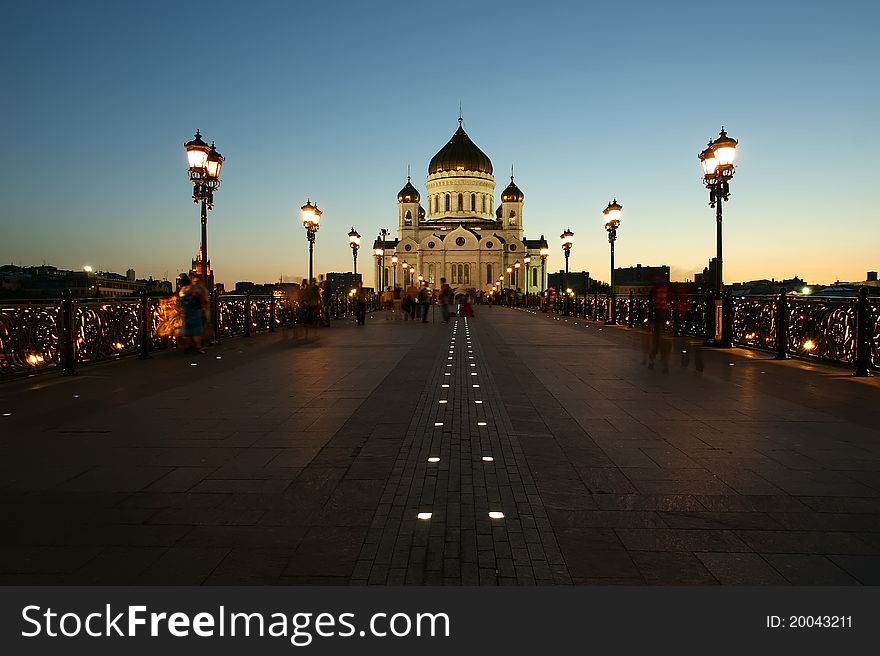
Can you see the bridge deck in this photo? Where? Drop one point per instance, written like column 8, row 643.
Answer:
column 281, row 460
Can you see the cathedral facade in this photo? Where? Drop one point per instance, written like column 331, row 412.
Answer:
column 463, row 236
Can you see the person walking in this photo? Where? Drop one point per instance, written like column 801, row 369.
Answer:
column 326, row 299
column 192, row 304
column 424, row 299
column 388, row 303
column 398, row 293
column 445, row 299
column 412, row 295
column 361, row 303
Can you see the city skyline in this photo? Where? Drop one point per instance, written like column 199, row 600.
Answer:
column 617, row 109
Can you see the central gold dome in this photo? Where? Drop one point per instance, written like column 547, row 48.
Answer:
column 460, row 154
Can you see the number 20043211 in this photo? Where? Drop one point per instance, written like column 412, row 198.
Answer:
column 809, row 622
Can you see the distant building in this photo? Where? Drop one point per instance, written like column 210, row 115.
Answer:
column 706, row 280
column 198, row 268
column 576, row 281
column 343, row 282
column 49, row 282
column 639, row 279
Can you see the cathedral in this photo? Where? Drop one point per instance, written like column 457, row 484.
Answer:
column 463, row 236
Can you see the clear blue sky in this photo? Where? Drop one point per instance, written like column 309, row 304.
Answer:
column 333, row 99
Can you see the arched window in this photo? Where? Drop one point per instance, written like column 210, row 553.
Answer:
column 431, row 273
column 512, row 217
column 448, row 201
column 433, row 204
column 461, row 273
column 407, row 219
column 474, row 202
column 484, row 203
column 491, row 203
column 489, row 277
column 467, row 274
column 460, row 202
column 535, row 277
column 453, row 276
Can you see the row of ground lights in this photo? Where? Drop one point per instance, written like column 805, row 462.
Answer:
column 494, row 514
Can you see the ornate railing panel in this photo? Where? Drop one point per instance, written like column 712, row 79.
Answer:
column 29, row 337
column 105, row 330
column 822, row 328
column 754, row 321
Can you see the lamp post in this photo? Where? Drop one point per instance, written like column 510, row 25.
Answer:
column 509, row 277
column 717, row 163
column 394, row 270
column 379, row 252
column 204, row 172
column 612, row 222
column 516, row 268
column 311, row 219
column 354, row 240
column 527, row 260
column 545, row 251
column 405, row 267
column 567, row 239
column 380, row 257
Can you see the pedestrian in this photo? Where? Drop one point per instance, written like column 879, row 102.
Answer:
column 191, row 301
column 315, row 303
column 398, row 294
column 424, row 300
column 326, row 299
column 445, row 299
column 388, row 303
column 360, row 303
column 412, row 294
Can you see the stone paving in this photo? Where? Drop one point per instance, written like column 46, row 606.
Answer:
column 283, row 459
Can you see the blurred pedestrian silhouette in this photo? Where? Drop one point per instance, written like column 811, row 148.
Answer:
column 660, row 341
column 446, row 298
column 360, row 303
column 424, row 300
column 388, row 303
column 193, row 301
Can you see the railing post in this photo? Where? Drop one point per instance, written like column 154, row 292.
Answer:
column 710, row 317
column 781, row 326
column 247, row 314
column 215, row 315
column 863, row 335
column 727, row 318
column 630, row 310
column 67, row 353
column 272, row 313
column 146, row 326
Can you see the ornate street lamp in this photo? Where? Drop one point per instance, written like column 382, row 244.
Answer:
column 405, row 267
column 544, row 252
column 354, row 240
column 612, row 222
column 509, row 277
column 394, row 270
column 527, row 260
column 379, row 252
column 717, row 163
column 516, row 268
column 204, row 172
column 311, row 219
column 567, row 239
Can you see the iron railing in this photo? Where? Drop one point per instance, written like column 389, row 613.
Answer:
column 39, row 336
column 813, row 327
